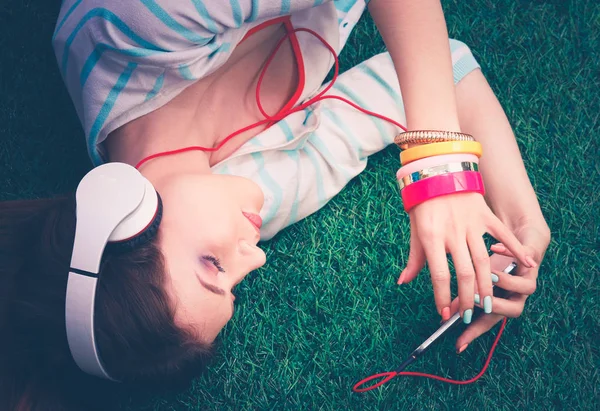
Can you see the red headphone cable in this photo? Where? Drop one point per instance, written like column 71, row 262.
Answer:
column 280, row 116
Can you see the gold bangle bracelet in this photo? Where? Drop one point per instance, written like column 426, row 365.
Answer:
column 436, row 171
column 402, row 140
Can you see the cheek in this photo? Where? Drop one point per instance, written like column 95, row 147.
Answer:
column 213, row 219
column 204, row 311
column 217, row 227
column 239, row 190
column 211, row 315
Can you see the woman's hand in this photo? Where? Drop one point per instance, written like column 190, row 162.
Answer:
column 519, row 286
column 455, row 224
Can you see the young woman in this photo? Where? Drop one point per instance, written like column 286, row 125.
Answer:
column 221, row 106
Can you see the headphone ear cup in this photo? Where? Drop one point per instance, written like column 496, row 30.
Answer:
column 142, row 238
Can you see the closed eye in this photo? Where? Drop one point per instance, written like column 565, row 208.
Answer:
column 215, row 261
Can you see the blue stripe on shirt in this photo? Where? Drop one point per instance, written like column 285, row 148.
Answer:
column 293, row 154
column 271, row 184
column 391, row 91
column 171, row 23
column 254, row 12
column 285, row 7
column 106, row 108
column 64, row 19
column 185, row 73
column 361, row 103
column 111, row 18
column 321, row 146
column 210, row 22
column 311, row 154
column 344, row 5
column 224, row 169
column 287, row 131
column 236, row 9
column 157, row 87
column 223, row 48
column 347, row 132
column 93, row 59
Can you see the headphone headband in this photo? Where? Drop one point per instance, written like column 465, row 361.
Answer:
column 114, row 203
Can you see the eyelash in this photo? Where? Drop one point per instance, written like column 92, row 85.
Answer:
column 215, row 261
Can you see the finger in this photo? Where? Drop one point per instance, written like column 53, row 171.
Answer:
column 521, row 284
column 479, row 327
column 455, row 306
column 465, row 276
column 499, row 248
column 440, row 274
column 511, row 307
column 508, row 239
column 415, row 263
column 481, row 261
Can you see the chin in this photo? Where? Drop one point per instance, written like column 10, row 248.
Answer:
column 262, row 258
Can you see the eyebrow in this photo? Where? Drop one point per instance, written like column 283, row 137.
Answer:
column 212, row 288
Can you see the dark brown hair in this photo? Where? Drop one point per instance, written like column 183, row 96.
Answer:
column 136, row 334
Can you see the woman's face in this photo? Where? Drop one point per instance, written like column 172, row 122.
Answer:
column 209, row 242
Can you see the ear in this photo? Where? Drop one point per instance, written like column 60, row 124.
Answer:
column 140, row 239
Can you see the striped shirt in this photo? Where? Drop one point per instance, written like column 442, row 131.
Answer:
column 121, row 60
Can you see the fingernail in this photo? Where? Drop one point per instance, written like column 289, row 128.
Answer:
column 401, row 279
column 500, row 247
column 477, row 299
column 446, row 314
column 531, row 262
column 487, row 304
column 461, row 349
column 495, row 278
column 467, row 316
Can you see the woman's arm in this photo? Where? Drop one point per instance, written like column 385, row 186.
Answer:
column 416, row 37
column 508, row 190
column 509, row 194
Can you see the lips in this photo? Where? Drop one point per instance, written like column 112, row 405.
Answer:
column 254, row 219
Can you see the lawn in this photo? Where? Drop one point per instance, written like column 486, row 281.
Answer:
column 325, row 311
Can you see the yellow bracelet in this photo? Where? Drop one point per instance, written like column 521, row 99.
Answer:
column 436, row 149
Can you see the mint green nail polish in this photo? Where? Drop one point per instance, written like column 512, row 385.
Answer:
column 477, row 298
column 495, row 278
column 487, row 304
column 467, row 316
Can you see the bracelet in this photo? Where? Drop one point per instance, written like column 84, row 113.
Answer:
column 402, row 140
column 461, row 182
column 434, row 161
column 447, row 147
column 437, row 171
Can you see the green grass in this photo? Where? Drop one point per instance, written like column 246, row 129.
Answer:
column 325, row 311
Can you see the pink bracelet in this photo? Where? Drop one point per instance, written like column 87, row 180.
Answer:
column 433, row 162
column 461, row 182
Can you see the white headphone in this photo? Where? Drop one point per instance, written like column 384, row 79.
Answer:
column 116, row 205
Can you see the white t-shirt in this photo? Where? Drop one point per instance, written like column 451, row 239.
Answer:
column 123, row 59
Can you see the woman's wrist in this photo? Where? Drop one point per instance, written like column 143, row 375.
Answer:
column 416, row 37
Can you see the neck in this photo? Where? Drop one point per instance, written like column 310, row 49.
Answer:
column 213, row 107
column 162, row 168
